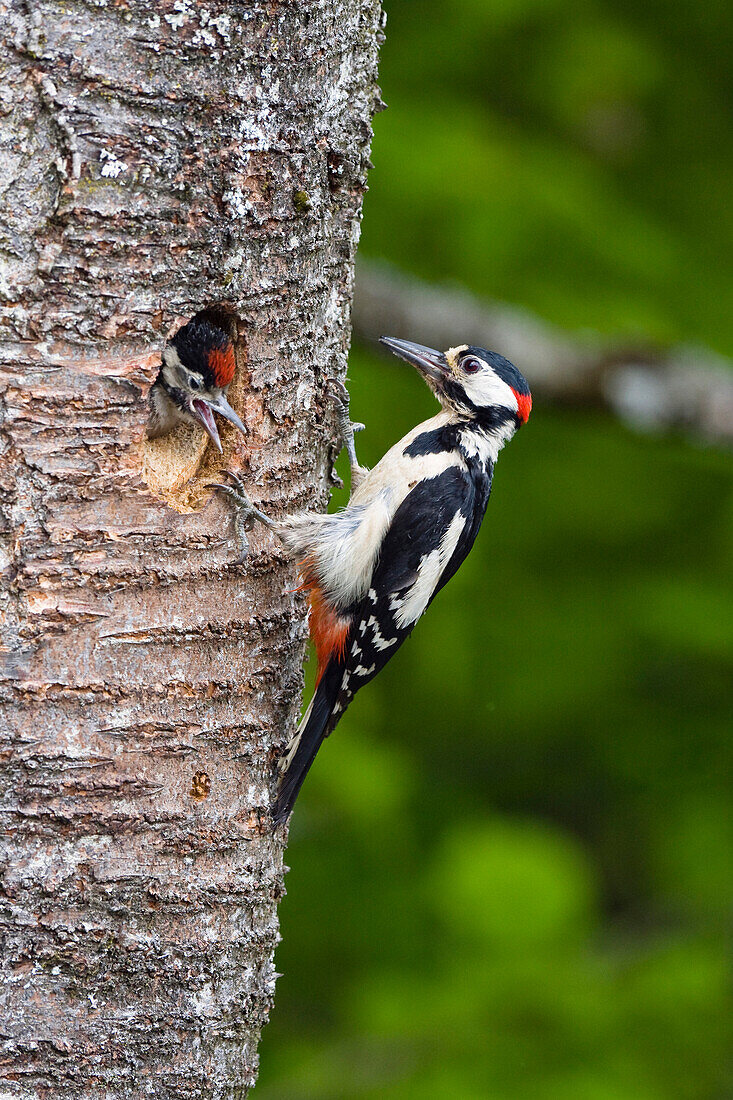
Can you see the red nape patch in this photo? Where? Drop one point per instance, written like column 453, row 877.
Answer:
column 524, row 405
column 328, row 629
column 221, row 365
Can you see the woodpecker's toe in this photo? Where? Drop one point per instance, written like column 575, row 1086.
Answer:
column 236, row 480
column 338, row 390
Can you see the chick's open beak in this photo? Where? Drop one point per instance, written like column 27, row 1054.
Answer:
column 432, row 364
column 223, row 408
column 204, row 408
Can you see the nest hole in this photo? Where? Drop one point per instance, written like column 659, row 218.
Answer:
column 178, row 467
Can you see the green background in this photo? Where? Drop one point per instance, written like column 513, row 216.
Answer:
column 511, row 865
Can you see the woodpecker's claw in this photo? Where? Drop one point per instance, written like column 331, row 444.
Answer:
column 338, row 391
column 347, row 429
column 340, row 397
column 236, row 481
column 242, row 518
column 245, row 511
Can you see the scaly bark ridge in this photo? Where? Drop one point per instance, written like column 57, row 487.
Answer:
column 153, row 159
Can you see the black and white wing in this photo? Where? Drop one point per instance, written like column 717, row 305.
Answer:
column 430, row 535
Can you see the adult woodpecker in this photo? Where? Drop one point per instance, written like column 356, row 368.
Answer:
column 198, row 366
column 372, row 569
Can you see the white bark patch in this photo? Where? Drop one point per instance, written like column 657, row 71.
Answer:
column 112, row 166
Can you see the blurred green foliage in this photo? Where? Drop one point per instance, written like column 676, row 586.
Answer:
column 511, row 865
column 573, row 158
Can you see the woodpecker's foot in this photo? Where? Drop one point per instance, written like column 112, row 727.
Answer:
column 347, row 429
column 245, row 512
column 340, row 397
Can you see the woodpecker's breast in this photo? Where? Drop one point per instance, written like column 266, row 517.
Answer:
column 349, row 544
column 408, row 463
column 340, row 551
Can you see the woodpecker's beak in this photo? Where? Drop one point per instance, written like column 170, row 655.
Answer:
column 432, row 364
column 204, row 408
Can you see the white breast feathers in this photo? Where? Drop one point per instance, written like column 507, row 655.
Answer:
column 344, row 547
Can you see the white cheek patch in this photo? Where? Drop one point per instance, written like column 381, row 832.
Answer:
column 172, row 367
column 175, row 373
column 485, row 388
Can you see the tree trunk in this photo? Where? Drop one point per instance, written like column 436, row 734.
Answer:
column 155, row 159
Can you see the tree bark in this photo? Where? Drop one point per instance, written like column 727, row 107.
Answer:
column 155, row 159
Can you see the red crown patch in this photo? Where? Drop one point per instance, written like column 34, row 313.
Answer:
column 524, row 405
column 221, row 365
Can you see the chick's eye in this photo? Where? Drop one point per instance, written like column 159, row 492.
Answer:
column 194, row 383
column 471, row 366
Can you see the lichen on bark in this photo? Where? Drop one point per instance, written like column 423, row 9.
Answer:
column 149, row 159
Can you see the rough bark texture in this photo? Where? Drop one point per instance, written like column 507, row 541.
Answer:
column 153, row 159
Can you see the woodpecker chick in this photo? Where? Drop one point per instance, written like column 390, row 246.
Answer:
column 372, row 569
column 197, row 368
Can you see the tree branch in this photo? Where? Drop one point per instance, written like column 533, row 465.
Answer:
column 683, row 388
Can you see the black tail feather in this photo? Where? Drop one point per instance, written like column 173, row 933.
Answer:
column 316, row 725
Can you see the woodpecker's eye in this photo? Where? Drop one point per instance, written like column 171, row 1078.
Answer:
column 194, row 383
column 471, row 365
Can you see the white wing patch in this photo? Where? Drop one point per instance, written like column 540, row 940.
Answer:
column 430, row 569
column 377, row 639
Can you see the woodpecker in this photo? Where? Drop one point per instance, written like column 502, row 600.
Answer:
column 197, row 368
column 372, row 569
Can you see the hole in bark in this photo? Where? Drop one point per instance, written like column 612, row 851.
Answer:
column 178, row 466
column 200, row 787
